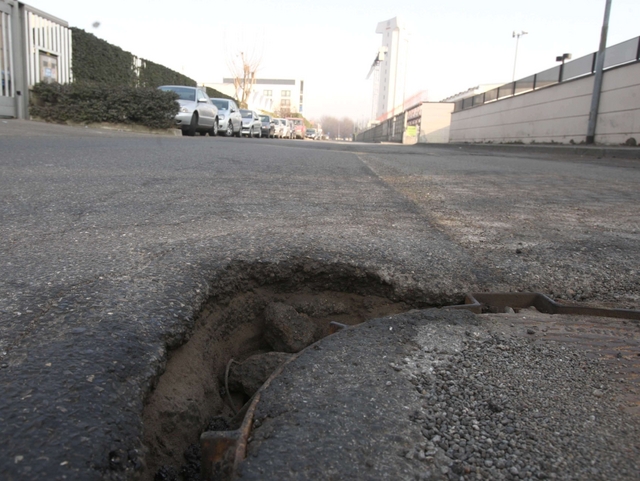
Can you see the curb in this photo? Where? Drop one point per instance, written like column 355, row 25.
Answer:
column 620, row 152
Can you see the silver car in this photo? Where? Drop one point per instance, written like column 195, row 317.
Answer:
column 197, row 112
column 229, row 118
column 251, row 123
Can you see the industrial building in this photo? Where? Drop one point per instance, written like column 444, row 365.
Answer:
column 34, row 47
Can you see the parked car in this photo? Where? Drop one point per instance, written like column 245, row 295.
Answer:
column 229, row 118
column 298, row 127
column 251, row 123
column 268, row 127
column 197, row 112
column 312, row 134
column 292, row 129
column 281, row 125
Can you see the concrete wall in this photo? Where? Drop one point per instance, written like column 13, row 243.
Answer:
column 435, row 123
column 619, row 113
column 431, row 120
column 558, row 114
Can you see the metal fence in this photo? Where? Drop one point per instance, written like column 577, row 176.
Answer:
column 620, row 54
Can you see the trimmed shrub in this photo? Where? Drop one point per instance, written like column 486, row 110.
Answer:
column 95, row 103
column 155, row 75
column 216, row 94
column 97, row 61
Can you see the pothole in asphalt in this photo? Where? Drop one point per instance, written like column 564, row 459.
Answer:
column 259, row 314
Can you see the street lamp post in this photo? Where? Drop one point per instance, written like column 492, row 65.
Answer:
column 562, row 58
column 597, row 80
column 515, row 59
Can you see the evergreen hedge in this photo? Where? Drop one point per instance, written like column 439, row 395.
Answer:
column 216, row 94
column 95, row 103
column 108, row 87
column 97, row 61
column 155, row 75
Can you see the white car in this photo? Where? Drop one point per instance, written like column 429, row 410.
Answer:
column 229, row 118
column 285, row 131
column 251, row 123
column 277, row 133
column 197, row 113
column 292, row 129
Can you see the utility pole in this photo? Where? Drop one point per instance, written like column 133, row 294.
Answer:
column 597, row 81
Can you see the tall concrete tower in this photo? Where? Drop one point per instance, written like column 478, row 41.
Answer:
column 393, row 67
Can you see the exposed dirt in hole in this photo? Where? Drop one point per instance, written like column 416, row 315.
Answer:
column 190, row 393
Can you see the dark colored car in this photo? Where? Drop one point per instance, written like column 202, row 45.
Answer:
column 268, row 126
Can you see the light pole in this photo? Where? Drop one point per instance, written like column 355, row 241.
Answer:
column 597, row 80
column 562, row 58
column 515, row 60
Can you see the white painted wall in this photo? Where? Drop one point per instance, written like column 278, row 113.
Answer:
column 558, row 114
column 619, row 113
column 435, row 123
column 47, row 35
column 435, row 120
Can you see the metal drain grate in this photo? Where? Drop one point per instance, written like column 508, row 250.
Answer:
column 479, row 302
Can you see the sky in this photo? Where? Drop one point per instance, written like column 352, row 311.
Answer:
column 330, row 44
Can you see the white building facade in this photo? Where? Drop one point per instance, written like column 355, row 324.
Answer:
column 34, row 47
column 393, row 68
column 281, row 96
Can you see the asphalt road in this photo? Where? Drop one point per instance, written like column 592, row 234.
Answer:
column 110, row 242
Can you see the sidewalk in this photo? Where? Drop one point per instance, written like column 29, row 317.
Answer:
column 598, row 151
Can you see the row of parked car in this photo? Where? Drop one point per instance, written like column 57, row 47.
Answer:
column 201, row 114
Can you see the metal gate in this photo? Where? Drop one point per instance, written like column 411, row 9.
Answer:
column 7, row 82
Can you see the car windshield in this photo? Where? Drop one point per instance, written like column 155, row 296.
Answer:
column 265, row 118
column 221, row 104
column 311, row 131
column 246, row 113
column 184, row 93
column 297, row 122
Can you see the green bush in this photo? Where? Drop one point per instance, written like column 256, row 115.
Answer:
column 216, row 94
column 97, row 61
column 94, row 103
column 155, row 75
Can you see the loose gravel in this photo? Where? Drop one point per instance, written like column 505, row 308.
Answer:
column 497, row 407
column 443, row 395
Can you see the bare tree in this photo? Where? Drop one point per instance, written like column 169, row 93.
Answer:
column 243, row 64
column 347, row 127
column 337, row 128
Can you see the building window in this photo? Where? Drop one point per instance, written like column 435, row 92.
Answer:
column 268, row 93
column 285, row 102
column 286, row 93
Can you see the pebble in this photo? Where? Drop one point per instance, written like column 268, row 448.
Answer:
column 519, row 415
